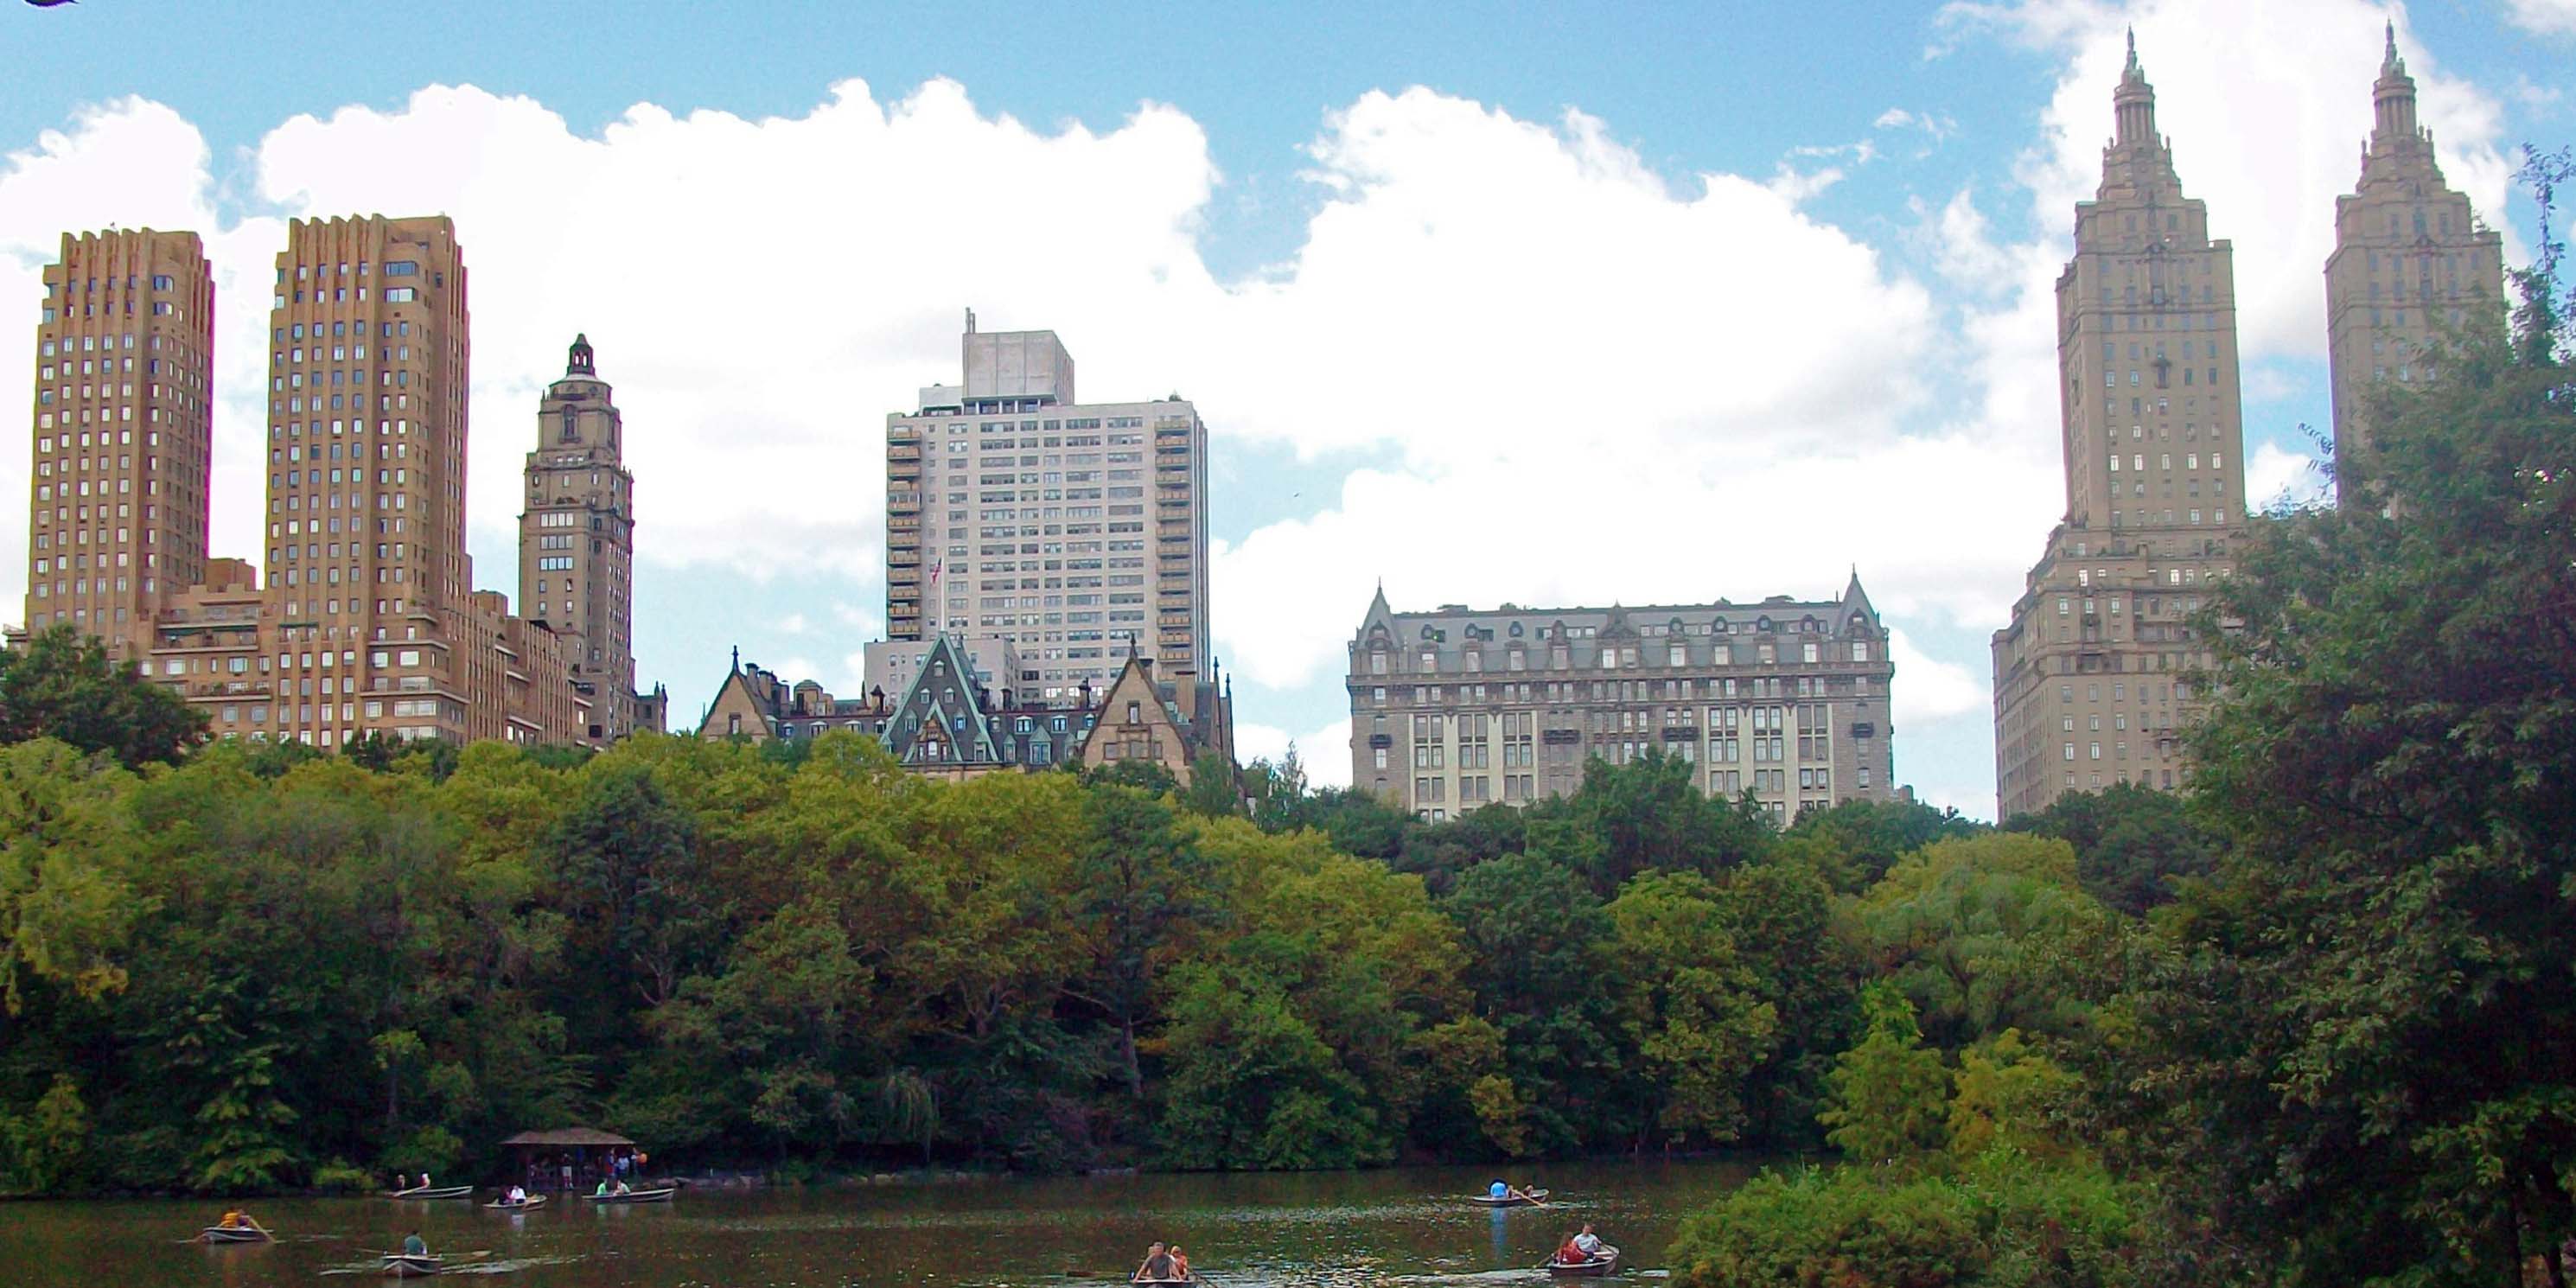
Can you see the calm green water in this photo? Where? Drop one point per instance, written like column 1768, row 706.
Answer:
column 1410, row 1227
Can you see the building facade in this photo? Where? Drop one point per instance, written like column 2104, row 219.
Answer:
column 1787, row 699
column 957, row 715
column 577, row 544
column 2412, row 270
column 1074, row 530
column 368, row 623
column 124, row 434
column 2089, row 678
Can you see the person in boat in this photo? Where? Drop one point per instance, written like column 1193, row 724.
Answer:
column 1588, row 1243
column 602, row 1191
column 414, row 1245
column 517, row 1197
column 234, row 1219
column 621, row 1189
column 1569, row 1253
column 1180, row 1263
column 1158, row 1264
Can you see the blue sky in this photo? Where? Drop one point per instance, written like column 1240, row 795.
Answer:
column 1654, row 303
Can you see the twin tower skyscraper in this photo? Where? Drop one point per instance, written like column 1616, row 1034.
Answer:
column 368, row 622
column 2091, row 681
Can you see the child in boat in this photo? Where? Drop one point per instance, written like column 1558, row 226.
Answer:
column 1180, row 1263
column 1569, row 1253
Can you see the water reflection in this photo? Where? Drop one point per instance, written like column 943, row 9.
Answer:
column 1339, row 1230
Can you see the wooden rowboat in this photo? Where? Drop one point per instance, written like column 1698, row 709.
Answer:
column 1601, row 1264
column 534, row 1201
column 401, row 1266
column 662, row 1195
column 235, row 1234
column 441, row 1192
column 1530, row 1199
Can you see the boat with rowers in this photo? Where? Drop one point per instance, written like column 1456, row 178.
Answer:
column 405, row 1265
column 433, row 1192
column 505, row 1205
column 659, row 1195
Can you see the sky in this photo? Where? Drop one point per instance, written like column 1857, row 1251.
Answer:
column 1646, row 303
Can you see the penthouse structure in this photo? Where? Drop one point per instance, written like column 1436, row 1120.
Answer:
column 1075, row 531
column 1786, row 699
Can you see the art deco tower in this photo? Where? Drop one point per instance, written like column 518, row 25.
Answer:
column 577, row 539
column 367, row 381
column 124, row 433
column 2087, row 685
column 2412, row 269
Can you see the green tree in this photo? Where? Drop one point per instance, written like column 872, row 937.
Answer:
column 65, row 907
column 62, row 685
column 2134, row 845
column 1215, row 790
column 1548, row 979
column 2361, row 1049
column 1994, row 932
column 1692, row 1011
column 1890, row 1093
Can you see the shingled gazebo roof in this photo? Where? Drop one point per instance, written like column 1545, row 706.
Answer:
column 576, row 1136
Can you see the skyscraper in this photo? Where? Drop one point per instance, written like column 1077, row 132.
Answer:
column 577, row 540
column 2089, row 689
column 1075, row 531
column 368, row 364
column 2411, row 270
column 124, row 433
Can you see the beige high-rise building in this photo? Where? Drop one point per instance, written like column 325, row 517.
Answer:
column 124, row 434
column 368, row 624
column 577, row 542
column 2411, row 270
column 1458, row 708
column 1069, row 529
column 2089, row 685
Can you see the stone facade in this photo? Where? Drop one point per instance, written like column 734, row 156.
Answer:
column 1073, row 530
column 1166, row 722
column 2090, row 686
column 124, row 434
column 1787, row 699
column 577, row 545
column 2412, row 271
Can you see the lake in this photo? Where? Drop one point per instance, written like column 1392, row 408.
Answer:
column 1400, row 1226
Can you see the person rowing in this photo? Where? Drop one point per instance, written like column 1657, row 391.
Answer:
column 414, row 1245
column 1588, row 1243
column 1503, row 1193
column 1158, row 1267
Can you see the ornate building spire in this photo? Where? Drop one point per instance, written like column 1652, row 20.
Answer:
column 2392, row 101
column 581, row 364
column 2134, row 103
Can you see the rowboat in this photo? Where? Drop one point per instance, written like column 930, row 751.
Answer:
column 441, row 1192
column 402, row 1266
column 662, row 1195
column 1143, row 1282
column 235, row 1234
column 1531, row 1198
column 534, row 1201
column 1600, row 1264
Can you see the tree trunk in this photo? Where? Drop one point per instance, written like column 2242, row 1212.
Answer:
column 1135, row 1071
column 2512, row 1240
column 2556, row 1257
